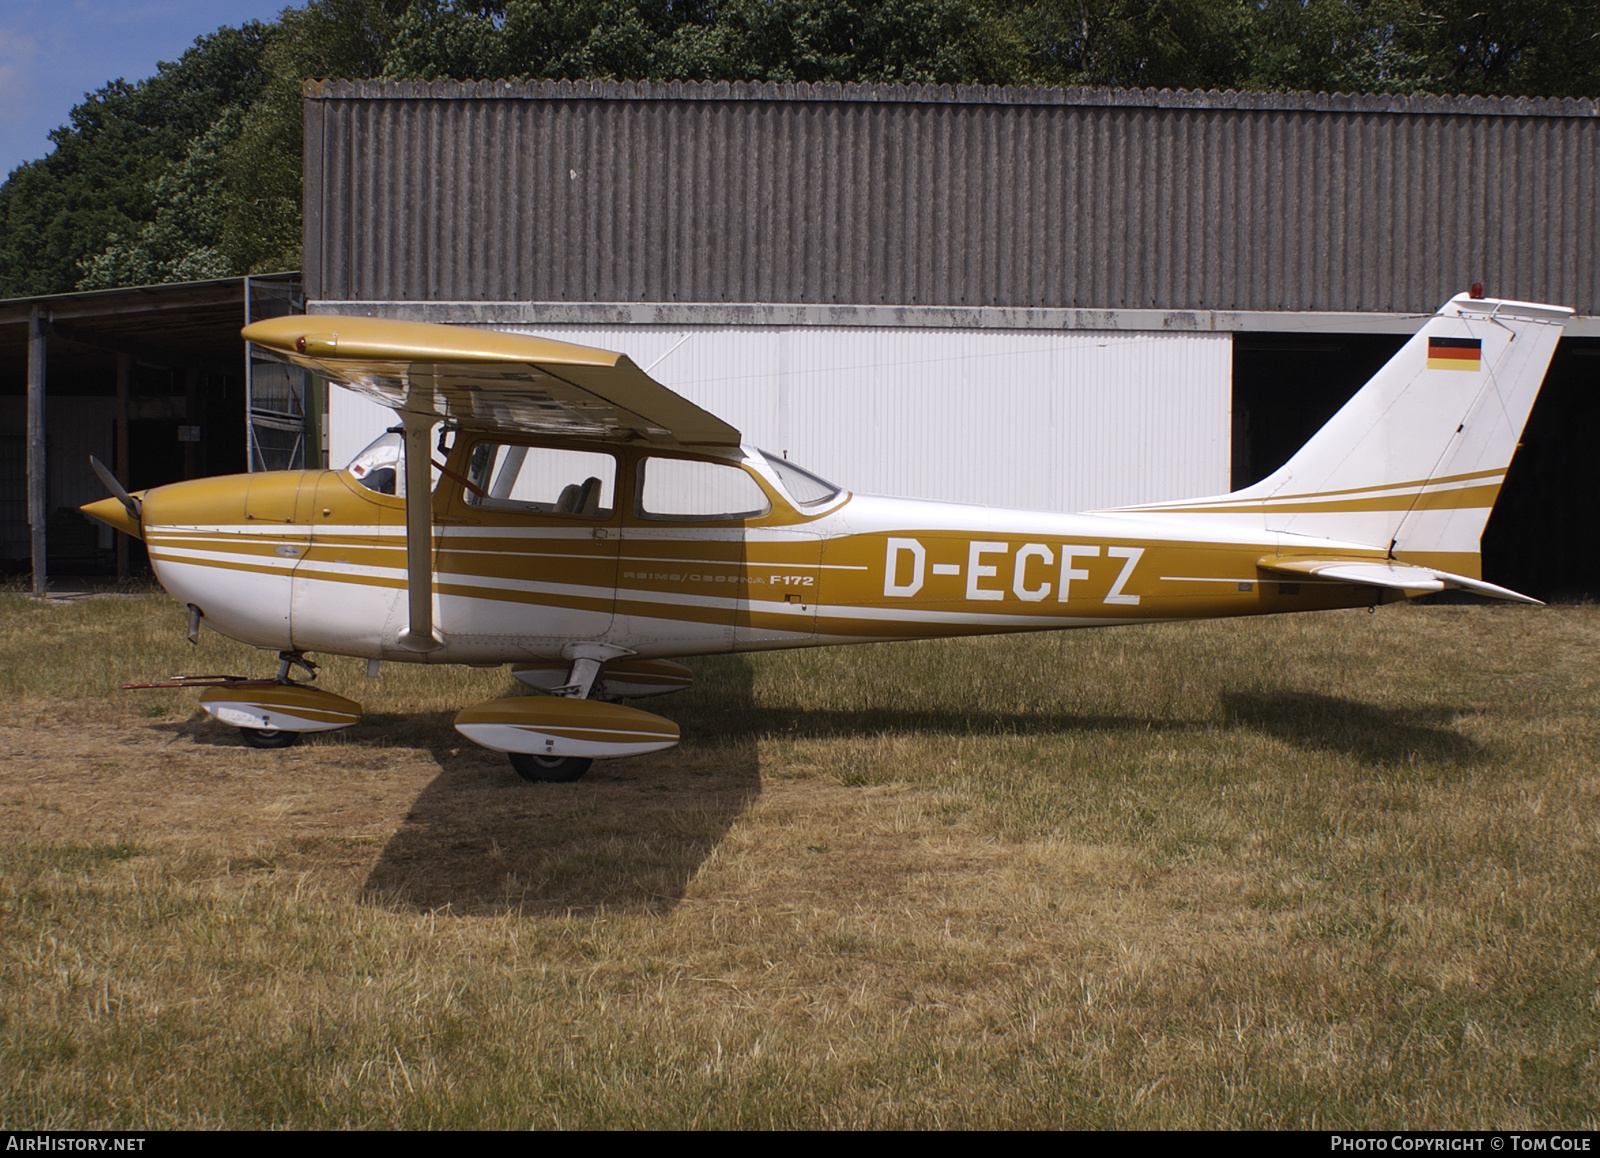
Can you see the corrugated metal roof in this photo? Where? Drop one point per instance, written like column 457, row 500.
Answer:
column 924, row 195
column 943, row 94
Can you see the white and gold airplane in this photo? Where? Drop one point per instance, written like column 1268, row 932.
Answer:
column 588, row 526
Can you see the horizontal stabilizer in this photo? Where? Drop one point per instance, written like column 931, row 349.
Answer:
column 1407, row 577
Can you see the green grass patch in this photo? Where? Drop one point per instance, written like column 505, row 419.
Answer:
column 1332, row 870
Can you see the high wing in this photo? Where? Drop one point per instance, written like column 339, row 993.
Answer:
column 480, row 380
column 488, row 380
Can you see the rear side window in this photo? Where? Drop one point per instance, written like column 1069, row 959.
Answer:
column 804, row 487
column 681, row 488
column 541, row 480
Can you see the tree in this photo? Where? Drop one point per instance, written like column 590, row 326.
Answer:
column 1487, row 47
column 1138, row 43
column 182, row 242
column 1500, row 47
column 918, row 41
column 99, row 187
column 261, row 169
column 196, row 172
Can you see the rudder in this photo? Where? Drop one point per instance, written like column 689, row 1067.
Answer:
column 1413, row 463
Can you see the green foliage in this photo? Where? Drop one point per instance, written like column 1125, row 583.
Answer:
column 121, row 159
column 1138, row 43
column 196, row 172
column 911, row 42
column 262, row 170
column 914, row 41
column 1502, row 48
column 182, row 241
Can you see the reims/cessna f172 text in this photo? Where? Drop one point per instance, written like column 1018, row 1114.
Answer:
column 589, row 526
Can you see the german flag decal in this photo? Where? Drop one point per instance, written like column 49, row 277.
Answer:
column 1455, row 353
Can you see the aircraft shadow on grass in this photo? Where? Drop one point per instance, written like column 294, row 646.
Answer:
column 631, row 835
column 628, row 837
column 1381, row 736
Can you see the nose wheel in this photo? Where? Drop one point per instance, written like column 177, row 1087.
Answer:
column 549, row 769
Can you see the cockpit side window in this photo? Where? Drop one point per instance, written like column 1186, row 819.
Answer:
column 380, row 467
column 541, row 480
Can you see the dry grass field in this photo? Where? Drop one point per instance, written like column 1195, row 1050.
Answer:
column 1330, row 870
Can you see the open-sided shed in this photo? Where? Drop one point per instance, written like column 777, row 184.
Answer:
column 153, row 381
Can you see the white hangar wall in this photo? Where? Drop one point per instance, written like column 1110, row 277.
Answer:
column 1059, row 420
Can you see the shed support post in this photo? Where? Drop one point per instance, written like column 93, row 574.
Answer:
column 191, row 407
column 38, row 516
column 124, row 368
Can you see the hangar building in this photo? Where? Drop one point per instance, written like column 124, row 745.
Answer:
column 1050, row 298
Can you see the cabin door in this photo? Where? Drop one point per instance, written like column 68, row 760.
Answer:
column 527, row 550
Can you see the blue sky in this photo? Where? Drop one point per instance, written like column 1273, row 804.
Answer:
column 52, row 52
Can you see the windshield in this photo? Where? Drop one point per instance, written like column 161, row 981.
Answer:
column 378, row 466
column 805, row 488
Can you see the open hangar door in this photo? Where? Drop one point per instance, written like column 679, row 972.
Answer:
column 182, row 422
column 1544, row 535
column 153, row 381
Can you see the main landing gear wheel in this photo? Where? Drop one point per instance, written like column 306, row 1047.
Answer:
column 270, row 737
column 549, row 769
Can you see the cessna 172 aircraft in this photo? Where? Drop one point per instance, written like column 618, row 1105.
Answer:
column 589, row 527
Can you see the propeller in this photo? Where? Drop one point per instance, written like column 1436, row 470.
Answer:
column 129, row 503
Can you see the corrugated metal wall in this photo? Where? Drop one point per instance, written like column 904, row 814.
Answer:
column 1030, row 198
column 1048, row 421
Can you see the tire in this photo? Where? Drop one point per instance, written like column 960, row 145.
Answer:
column 549, row 769
column 269, row 737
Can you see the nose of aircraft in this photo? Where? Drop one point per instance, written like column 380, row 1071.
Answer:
column 227, row 546
column 111, row 512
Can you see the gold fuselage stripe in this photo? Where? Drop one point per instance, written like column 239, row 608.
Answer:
column 1274, row 502
column 1171, row 581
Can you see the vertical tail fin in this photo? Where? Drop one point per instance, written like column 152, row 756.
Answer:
column 1413, row 463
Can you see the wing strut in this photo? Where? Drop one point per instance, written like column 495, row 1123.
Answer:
column 419, row 634
column 479, row 380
